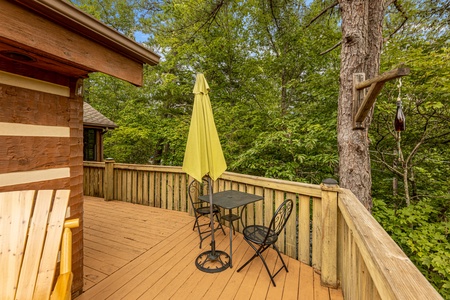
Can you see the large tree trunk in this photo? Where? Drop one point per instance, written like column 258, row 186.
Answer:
column 361, row 47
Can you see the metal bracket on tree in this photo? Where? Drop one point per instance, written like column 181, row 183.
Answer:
column 363, row 100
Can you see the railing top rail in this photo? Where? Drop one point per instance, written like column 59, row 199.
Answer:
column 312, row 190
column 392, row 272
column 155, row 168
column 95, row 164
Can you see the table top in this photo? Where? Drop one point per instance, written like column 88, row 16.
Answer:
column 231, row 199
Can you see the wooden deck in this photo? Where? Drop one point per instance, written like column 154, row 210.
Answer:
column 139, row 252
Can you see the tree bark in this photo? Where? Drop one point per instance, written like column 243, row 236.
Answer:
column 361, row 48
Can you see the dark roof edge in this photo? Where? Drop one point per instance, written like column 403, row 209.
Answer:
column 100, row 125
column 92, row 117
column 72, row 18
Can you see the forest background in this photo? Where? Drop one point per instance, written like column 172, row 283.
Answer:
column 273, row 68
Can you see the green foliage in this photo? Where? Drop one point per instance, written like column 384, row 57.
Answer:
column 264, row 71
column 425, row 96
column 119, row 14
column 422, row 230
column 274, row 99
column 306, row 153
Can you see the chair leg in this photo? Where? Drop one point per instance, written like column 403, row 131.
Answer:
column 203, row 236
column 259, row 251
column 195, row 223
column 282, row 267
column 282, row 260
column 200, row 233
column 248, row 261
column 267, row 269
column 220, row 224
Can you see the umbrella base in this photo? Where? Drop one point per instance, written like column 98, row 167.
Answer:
column 213, row 261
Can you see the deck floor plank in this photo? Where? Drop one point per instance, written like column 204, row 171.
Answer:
column 263, row 284
column 291, row 284
column 221, row 280
column 102, row 262
column 133, row 251
column 306, row 285
column 166, row 273
column 320, row 292
column 252, row 272
column 190, row 289
column 189, row 278
column 136, row 269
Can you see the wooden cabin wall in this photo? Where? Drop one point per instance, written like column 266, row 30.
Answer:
column 55, row 150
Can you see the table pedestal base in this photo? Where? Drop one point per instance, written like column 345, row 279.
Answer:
column 213, row 261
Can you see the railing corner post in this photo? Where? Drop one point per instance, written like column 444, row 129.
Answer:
column 330, row 190
column 108, row 182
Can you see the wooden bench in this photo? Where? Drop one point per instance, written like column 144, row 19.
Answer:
column 32, row 226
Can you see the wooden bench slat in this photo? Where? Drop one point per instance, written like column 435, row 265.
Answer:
column 35, row 243
column 49, row 256
column 31, row 227
column 15, row 211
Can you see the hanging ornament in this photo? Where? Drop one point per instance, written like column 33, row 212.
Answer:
column 400, row 121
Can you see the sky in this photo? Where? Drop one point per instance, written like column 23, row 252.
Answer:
column 141, row 37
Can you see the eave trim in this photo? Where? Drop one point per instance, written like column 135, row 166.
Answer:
column 72, row 18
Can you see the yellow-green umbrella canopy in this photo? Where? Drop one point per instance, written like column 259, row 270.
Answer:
column 204, row 156
column 203, row 150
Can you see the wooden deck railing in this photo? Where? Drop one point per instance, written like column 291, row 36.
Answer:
column 329, row 228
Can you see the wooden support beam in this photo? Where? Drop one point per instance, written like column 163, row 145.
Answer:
column 386, row 76
column 369, row 100
column 362, row 108
column 358, row 98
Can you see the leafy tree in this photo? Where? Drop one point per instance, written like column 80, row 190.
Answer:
column 420, row 161
column 122, row 15
column 416, row 215
column 262, row 69
column 422, row 231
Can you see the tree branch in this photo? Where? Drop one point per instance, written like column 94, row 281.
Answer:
column 272, row 12
column 322, row 13
column 272, row 42
column 332, row 48
column 390, row 168
column 206, row 23
column 403, row 13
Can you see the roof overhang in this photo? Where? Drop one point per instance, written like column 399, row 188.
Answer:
column 69, row 16
column 58, row 37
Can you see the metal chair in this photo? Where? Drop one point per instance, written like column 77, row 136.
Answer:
column 202, row 209
column 260, row 237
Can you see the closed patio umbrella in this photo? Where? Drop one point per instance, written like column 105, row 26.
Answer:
column 204, row 156
column 203, row 150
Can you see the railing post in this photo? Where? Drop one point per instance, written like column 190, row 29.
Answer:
column 330, row 191
column 108, row 183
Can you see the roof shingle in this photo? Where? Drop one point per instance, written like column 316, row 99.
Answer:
column 91, row 117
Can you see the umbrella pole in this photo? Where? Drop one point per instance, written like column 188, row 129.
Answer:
column 211, row 218
column 212, row 261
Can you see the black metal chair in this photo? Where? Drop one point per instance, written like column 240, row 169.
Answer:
column 260, row 237
column 202, row 209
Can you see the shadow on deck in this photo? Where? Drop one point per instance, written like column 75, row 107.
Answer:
column 138, row 252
